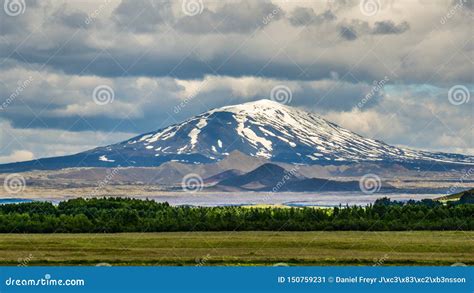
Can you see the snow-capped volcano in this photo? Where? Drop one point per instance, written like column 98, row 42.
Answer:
column 264, row 129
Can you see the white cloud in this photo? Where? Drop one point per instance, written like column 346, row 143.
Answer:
column 368, row 123
column 25, row 144
column 17, row 156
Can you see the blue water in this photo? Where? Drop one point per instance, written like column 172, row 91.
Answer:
column 13, row 200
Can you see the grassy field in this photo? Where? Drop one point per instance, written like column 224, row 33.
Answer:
column 240, row 248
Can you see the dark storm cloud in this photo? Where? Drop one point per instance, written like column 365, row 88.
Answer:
column 348, row 33
column 155, row 38
column 76, row 58
column 465, row 4
column 302, row 16
column 389, row 27
column 357, row 28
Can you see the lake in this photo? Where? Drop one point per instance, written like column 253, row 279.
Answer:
column 324, row 199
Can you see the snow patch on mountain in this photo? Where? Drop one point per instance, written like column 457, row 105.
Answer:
column 104, row 159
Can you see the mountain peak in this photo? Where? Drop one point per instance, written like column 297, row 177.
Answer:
column 272, row 131
column 253, row 106
column 266, row 175
column 263, row 130
column 261, row 103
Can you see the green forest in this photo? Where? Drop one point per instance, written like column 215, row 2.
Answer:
column 111, row 215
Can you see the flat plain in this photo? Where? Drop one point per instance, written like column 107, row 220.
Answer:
column 240, row 248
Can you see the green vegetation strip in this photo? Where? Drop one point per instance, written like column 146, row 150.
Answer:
column 240, row 248
column 114, row 215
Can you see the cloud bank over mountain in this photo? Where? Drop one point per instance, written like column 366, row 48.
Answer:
column 384, row 72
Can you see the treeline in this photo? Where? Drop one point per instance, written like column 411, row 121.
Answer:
column 132, row 215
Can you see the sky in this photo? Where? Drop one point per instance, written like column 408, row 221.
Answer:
column 79, row 74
